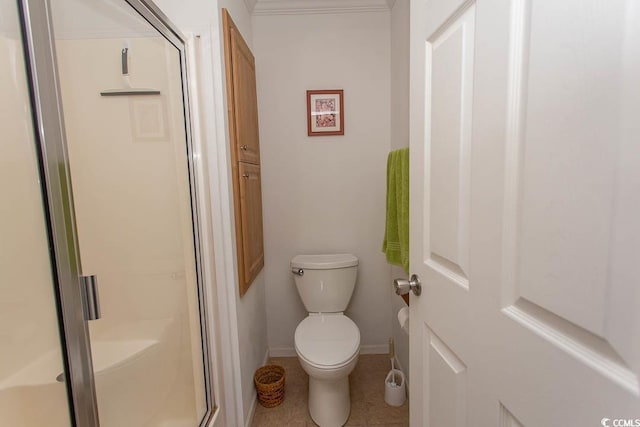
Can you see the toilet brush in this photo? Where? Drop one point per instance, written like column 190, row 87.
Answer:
column 393, row 376
column 392, row 356
column 394, row 389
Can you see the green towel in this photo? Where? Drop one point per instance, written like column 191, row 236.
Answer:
column 396, row 235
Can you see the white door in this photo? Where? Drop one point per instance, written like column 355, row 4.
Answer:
column 525, row 212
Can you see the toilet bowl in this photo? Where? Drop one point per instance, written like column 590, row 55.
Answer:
column 327, row 342
column 328, row 346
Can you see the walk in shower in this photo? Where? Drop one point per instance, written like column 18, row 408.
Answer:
column 101, row 297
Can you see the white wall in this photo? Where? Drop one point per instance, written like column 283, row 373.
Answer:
column 251, row 308
column 245, row 326
column 324, row 194
column 399, row 139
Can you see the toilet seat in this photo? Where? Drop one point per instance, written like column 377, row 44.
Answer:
column 327, row 341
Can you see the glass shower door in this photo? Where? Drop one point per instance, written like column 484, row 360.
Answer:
column 32, row 384
column 131, row 170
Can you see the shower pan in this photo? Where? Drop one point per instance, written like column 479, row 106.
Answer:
column 102, row 309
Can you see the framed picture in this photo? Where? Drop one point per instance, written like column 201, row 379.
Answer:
column 325, row 112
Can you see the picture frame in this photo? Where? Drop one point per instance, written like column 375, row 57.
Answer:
column 325, row 112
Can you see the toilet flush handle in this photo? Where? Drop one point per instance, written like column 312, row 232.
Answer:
column 298, row 271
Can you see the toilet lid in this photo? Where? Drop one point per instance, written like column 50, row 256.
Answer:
column 327, row 339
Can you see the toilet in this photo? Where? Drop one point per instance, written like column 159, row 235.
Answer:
column 327, row 342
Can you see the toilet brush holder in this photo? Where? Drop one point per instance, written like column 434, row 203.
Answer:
column 395, row 392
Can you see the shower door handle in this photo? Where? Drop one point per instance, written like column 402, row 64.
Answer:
column 90, row 297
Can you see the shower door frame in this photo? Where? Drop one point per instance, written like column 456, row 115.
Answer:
column 47, row 110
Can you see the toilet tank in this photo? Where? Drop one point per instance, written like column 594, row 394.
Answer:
column 325, row 282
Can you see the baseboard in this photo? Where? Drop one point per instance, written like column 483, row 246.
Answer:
column 252, row 411
column 282, row 352
column 374, row 349
column 365, row 349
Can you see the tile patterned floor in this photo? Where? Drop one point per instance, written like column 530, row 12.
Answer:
column 368, row 407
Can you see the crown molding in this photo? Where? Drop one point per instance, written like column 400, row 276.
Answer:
column 308, row 7
column 251, row 4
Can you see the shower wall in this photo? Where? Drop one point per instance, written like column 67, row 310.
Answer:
column 131, row 191
column 28, row 320
column 124, row 167
column 27, row 308
column 131, row 195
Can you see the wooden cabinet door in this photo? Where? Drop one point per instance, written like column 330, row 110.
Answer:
column 242, row 107
column 245, row 101
column 251, row 222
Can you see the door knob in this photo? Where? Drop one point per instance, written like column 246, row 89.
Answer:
column 244, row 147
column 403, row 286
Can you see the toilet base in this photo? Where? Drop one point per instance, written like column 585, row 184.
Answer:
column 329, row 401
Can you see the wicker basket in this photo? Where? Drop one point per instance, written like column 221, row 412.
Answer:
column 269, row 382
